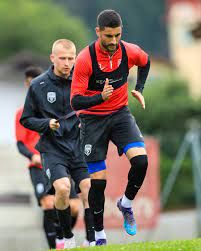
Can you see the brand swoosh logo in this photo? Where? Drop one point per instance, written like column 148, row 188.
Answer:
column 98, row 211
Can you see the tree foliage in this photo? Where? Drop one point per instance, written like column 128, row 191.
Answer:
column 169, row 111
column 169, row 107
column 35, row 24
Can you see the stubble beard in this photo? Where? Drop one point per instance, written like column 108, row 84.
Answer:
column 106, row 47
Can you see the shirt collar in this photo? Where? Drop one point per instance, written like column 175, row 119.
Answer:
column 57, row 78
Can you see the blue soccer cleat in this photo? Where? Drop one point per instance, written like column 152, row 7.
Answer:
column 101, row 242
column 129, row 221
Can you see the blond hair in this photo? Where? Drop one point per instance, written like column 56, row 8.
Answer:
column 66, row 43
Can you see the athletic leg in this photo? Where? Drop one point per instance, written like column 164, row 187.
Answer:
column 129, row 140
column 97, row 203
column 58, row 175
column 95, row 133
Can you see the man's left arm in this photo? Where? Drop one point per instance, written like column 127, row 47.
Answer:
column 141, row 59
column 142, row 74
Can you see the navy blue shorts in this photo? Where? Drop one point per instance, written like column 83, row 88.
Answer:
column 57, row 167
column 42, row 186
column 96, row 131
column 39, row 182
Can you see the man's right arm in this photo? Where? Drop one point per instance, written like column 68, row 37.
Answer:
column 24, row 150
column 34, row 158
column 80, row 102
column 20, row 136
column 81, row 75
column 29, row 118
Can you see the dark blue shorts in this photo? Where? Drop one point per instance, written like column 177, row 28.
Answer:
column 39, row 182
column 42, row 186
column 96, row 131
column 57, row 167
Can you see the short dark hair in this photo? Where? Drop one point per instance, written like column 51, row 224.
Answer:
column 108, row 18
column 32, row 71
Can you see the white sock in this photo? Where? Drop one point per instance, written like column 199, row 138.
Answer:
column 100, row 235
column 125, row 202
column 58, row 241
column 85, row 243
column 92, row 244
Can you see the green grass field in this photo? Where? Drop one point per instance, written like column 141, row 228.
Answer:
column 181, row 245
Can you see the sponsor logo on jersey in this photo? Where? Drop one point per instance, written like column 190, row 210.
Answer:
column 111, row 81
column 119, row 62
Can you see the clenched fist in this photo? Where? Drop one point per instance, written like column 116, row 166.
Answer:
column 54, row 124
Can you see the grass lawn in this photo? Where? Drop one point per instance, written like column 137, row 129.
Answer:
column 177, row 245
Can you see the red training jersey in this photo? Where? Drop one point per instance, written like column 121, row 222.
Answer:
column 26, row 136
column 83, row 71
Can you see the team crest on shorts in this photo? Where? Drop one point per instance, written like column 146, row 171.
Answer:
column 48, row 173
column 40, row 188
column 87, row 149
column 51, row 97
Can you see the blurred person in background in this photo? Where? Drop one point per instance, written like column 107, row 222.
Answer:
column 100, row 95
column 47, row 111
column 26, row 141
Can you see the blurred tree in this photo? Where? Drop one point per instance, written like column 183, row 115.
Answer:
column 144, row 21
column 169, row 109
column 35, row 24
column 168, row 112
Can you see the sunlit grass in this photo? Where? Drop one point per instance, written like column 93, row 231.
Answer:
column 178, row 245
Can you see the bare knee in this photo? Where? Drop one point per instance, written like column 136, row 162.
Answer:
column 62, row 191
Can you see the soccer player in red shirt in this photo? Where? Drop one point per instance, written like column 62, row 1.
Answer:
column 99, row 94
